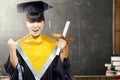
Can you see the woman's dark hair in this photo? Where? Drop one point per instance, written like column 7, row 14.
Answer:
column 35, row 17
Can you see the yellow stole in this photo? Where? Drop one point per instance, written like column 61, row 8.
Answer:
column 37, row 49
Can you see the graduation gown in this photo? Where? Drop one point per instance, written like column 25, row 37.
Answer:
column 56, row 71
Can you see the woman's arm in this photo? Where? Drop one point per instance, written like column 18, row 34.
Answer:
column 13, row 56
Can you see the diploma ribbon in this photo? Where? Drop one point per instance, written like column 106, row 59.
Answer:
column 68, row 39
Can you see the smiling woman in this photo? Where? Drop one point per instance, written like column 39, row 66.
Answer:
column 29, row 54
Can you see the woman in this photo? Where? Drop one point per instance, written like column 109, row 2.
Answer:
column 36, row 48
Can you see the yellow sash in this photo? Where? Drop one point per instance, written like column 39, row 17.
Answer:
column 37, row 49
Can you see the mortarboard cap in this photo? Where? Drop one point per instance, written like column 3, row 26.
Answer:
column 33, row 9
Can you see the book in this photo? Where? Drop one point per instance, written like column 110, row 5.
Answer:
column 115, row 58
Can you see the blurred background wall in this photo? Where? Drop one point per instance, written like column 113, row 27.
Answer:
column 91, row 28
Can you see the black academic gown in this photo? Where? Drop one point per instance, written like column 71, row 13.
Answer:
column 56, row 71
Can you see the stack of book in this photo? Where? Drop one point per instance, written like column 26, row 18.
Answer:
column 113, row 68
column 115, row 60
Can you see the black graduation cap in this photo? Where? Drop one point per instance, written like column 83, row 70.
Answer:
column 33, row 8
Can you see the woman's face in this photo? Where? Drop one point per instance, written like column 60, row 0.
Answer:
column 35, row 28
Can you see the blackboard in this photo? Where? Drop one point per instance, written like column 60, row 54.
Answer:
column 91, row 27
